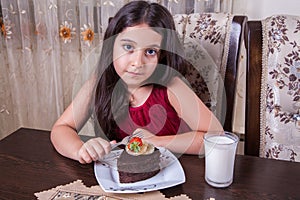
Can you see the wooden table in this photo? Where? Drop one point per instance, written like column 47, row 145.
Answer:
column 29, row 164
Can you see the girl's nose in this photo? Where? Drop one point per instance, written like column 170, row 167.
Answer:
column 137, row 58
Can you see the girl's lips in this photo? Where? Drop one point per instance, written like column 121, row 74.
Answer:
column 134, row 73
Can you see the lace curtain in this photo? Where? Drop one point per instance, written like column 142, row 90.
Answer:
column 44, row 46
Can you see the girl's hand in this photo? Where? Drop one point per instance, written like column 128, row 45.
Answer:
column 94, row 149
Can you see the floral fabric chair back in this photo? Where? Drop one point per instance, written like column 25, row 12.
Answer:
column 280, row 88
column 206, row 41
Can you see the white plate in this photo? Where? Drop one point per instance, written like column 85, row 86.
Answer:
column 171, row 174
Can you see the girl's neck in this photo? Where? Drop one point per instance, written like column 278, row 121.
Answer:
column 138, row 96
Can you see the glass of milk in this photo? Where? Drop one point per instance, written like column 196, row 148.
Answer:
column 220, row 150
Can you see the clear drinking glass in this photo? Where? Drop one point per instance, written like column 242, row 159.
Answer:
column 220, row 151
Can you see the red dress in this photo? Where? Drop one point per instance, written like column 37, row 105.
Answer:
column 156, row 115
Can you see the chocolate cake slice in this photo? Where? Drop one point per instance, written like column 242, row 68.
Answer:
column 133, row 168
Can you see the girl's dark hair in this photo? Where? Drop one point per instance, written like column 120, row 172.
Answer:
column 108, row 109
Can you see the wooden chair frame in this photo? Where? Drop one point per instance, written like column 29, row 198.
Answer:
column 253, row 43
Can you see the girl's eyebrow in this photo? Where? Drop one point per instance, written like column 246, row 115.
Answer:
column 131, row 41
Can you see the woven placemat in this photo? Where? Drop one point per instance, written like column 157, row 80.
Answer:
column 77, row 190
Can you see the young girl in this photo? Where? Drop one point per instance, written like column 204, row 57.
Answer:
column 138, row 88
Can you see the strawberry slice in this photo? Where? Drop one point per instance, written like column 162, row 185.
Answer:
column 135, row 144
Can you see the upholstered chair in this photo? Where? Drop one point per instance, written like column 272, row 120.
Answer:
column 272, row 126
column 212, row 43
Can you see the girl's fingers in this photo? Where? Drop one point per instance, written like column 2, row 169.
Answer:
column 113, row 142
column 93, row 150
column 93, row 153
column 102, row 147
column 83, row 156
column 97, row 148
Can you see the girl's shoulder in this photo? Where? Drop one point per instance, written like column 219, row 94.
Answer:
column 178, row 91
column 176, row 84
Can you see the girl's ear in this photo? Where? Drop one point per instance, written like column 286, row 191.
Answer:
column 109, row 19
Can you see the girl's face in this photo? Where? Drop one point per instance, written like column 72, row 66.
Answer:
column 136, row 53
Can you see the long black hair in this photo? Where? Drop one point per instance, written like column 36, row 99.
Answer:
column 134, row 13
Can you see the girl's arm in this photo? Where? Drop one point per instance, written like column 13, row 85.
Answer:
column 194, row 112
column 64, row 136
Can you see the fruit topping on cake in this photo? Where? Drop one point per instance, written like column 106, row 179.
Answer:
column 136, row 146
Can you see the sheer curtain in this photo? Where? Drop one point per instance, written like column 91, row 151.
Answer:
column 44, row 49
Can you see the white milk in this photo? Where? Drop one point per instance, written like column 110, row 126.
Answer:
column 219, row 159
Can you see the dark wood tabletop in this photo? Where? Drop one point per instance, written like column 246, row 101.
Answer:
column 30, row 164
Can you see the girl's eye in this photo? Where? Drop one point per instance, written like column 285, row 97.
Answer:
column 151, row 52
column 128, row 47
